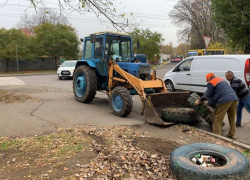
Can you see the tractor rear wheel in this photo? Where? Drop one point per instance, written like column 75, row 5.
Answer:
column 121, row 102
column 84, row 84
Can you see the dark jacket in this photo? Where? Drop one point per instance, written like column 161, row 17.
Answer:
column 240, row 88
column 219, row 92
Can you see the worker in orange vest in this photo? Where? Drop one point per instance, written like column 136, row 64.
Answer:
column 223, row 99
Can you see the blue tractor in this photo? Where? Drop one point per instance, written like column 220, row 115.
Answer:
column 109, row 65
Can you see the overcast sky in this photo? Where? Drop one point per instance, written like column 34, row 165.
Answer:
column 152, row 14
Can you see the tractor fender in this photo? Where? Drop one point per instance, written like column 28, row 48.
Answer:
column 84, row 62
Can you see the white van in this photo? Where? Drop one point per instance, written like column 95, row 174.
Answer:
column 190, row 74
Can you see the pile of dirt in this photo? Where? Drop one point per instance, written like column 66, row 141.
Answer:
column 9, row 97
column 86, row 153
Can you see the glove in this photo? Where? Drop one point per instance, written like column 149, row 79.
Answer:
column 197, row 102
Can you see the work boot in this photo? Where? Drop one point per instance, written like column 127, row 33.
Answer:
column 231, row 137
column 238, row 124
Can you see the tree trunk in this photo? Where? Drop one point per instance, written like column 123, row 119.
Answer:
column 7, row 65
column 247, row 49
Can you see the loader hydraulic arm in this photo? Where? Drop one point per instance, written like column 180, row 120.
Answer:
column 138, row 84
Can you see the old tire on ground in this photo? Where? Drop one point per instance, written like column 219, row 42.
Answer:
column 180, row 115
column 169, row 86
column 236, row 168
column 121, row 102
column 84, row 84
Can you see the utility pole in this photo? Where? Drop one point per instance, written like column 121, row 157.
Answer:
column 16, row 59
column 187, row 45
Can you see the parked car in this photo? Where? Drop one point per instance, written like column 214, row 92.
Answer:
column 177, row 58
column 66, row 69
column 190, row 73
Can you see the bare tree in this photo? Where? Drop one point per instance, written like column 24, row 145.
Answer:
column 43, row 15
column 195, row 19
column 112, row 10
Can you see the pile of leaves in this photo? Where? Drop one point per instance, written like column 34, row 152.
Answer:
column 9, row 97
column 84, row 153
column 120, row 159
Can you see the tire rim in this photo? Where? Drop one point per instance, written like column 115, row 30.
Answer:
column 169, row 86
column 117, row 102
column 80, row 84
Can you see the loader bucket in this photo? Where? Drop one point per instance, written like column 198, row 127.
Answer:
column 158, row 101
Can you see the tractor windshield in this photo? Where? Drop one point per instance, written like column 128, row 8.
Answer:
column 119, row 48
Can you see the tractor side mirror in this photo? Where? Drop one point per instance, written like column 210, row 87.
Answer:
column 92, row 38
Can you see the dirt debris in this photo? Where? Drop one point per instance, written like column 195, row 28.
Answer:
column 86, row 153
column 9, row 97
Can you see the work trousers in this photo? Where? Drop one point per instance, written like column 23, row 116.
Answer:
column 220, row 112
column 241, row 104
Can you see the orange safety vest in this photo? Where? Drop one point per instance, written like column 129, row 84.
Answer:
column 215, row 81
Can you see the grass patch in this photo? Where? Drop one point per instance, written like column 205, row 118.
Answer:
column 5, row 146
column 60, row 145
column 246, row 153
column 54, row 155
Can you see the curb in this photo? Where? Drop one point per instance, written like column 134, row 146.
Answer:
column 234, row 142
column 13, row 75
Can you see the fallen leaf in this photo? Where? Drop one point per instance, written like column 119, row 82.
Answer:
column 123, row 157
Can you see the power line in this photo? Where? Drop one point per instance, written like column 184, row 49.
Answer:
column 152, row 16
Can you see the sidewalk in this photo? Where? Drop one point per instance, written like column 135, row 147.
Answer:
column 242, row 133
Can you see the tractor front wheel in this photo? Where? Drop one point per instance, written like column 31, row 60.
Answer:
column 84, row 84
column 121, row 102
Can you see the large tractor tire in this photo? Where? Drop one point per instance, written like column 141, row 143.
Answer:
column 180, row 115
column 84, row 84
column 236, row 165
column 202, row 109
column 121, row 102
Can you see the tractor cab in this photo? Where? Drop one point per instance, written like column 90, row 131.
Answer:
column 100, row 47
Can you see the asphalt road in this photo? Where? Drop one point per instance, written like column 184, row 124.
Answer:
column 61, row 110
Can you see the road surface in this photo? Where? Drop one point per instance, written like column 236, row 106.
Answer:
column 60, row 109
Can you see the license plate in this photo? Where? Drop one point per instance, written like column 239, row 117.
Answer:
column 66, row 73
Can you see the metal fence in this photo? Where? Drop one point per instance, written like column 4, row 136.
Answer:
column 28, row 65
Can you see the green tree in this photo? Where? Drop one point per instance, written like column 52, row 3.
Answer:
column 150, row 42
column 57, row 41
column 216, row 45
column 9, row 40
column 233, row 17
